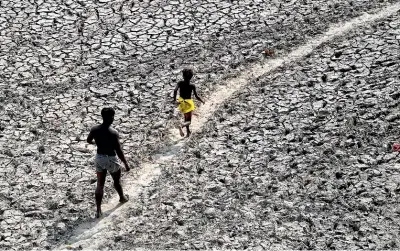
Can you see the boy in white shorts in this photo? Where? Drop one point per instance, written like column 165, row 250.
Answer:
column 108, row 146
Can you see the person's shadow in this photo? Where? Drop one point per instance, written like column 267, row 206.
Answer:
column 109, row 211
column 86, row 229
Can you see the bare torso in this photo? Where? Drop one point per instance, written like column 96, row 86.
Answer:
column 185, row 90
column 106, row 139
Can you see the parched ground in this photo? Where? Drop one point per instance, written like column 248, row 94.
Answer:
column 302, row 152
column 301, row 159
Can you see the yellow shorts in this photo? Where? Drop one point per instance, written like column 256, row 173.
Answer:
column 186, row 105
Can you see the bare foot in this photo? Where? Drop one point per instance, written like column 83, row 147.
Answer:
column 188, row 135
column 98, row 214
column 181, row 132
column 124, row 199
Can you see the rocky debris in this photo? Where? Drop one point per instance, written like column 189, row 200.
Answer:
column 295, row 166
column 61, row 62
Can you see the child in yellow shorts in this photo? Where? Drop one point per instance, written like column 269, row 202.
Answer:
column 185, row 101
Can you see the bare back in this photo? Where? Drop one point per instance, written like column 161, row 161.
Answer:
column 106, row 139
column 185, row 90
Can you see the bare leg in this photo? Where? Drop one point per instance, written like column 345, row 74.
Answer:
column 101, row 179
column 188, row 121
column 180, row 130
column 117, row 185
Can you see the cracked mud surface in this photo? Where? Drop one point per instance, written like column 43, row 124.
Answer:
column 301, row 159
column 60, row 63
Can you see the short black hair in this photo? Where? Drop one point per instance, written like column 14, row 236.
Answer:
column 187, row 74
column 107, row 112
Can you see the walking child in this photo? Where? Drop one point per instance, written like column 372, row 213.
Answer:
column 185, row 101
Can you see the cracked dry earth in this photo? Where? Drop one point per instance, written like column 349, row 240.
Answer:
column 300, row 159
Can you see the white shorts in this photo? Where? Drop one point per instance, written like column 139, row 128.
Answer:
column 107, row 163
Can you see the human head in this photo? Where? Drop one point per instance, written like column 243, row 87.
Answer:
column 108, row 115
column 187, row 74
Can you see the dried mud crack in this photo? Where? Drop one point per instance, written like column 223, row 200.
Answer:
column 299, row 160
column 300, row 156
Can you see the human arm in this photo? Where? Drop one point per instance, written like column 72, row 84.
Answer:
column 176, row 92
column 120, row 153
column 195, row 94
column 90, row 137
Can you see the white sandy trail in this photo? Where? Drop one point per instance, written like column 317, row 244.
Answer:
column 89, row 235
